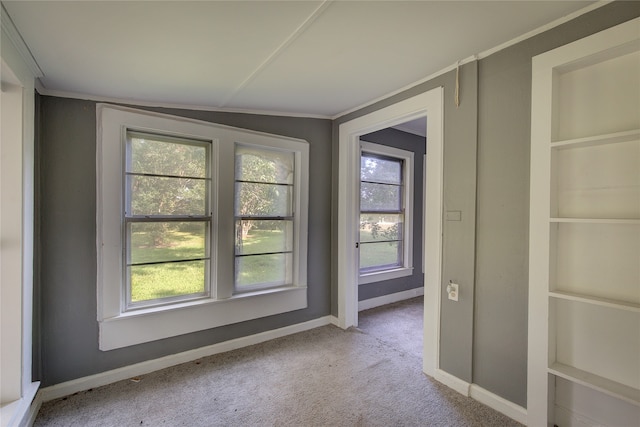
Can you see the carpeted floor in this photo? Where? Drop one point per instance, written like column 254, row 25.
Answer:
column 369, row 376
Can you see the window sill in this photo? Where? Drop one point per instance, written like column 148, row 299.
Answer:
column 140, row 326
column 379, row 276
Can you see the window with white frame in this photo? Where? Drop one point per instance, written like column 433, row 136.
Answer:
column 264, row 218
column 386, row 203
column 167, row 219
column 199, row 225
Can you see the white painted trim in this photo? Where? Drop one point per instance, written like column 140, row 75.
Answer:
column 142, row 368
column 480, row 55
column 334, row 321
column 493, row 401
column 11, row 32
column 389, row 299
column 498, row 403
column 408, row 179
column 541, row 349
column 428, row 104
column 20, row 412
column 75, row 95
column 119, row 328
column 30, row 417
column 17, row 211
column 452, row 382
column 379, row 276
column 546, row 27
column 138, row 103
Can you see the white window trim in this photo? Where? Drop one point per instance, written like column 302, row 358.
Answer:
column 408, row 158
column 119, row 328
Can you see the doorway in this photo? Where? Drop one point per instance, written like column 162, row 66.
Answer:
column 430, row 105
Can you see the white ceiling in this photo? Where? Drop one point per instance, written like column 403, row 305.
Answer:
column 314, row 58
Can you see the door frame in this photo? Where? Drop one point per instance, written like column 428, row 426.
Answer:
column 429, row 104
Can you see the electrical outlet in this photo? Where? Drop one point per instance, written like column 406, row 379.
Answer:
column 452, row 290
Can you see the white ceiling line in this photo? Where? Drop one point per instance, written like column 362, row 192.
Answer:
column 42, row 90
column 9, row 29
column 301, row 29
column 480, row 55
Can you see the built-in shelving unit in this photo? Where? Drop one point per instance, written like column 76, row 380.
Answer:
column 584, row 296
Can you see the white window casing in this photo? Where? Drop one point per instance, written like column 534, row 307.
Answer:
column 407, row 157
column 121, row 328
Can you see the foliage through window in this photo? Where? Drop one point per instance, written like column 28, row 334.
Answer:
column 195, row 230
column 167, row 218
column 264, row 217
column 382, row 212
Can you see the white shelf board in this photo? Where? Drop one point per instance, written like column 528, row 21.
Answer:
column 596, row 220
column 610, row 138
column 603, row 302
column 596, row 382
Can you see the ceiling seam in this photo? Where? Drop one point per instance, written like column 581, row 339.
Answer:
column 292, row 37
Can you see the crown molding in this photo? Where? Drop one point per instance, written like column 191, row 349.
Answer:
column 10, row 31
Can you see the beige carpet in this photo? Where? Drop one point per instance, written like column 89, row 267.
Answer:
column 370, row 376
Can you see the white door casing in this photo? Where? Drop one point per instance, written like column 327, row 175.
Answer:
column 429, row 104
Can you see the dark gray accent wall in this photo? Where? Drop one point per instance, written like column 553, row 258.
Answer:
column 456, row 335
column 409, row 142
column 66, row 244
column 502, row 251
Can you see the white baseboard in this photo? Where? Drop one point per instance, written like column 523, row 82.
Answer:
column 30, row 417
column 391, row 298
column 64, row 389
column 483, row 396
column 452, row 382
column 334, row 321
column 18, row 413
column 498, row 403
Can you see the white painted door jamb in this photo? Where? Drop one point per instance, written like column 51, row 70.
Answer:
column 428, row 104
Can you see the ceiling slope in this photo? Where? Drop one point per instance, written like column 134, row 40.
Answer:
column 316, row 58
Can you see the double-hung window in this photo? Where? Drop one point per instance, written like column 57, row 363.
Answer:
column 264, row 196
column 199, row 225
column 386, row 203
column 167, row 219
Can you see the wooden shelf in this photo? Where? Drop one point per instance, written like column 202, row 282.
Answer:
column 602, row 302
column 596, row 382
column 611, row 138
column 596, row 220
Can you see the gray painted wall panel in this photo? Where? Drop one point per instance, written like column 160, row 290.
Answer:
column 67, row 241
column 504, row 134
column 483, row 342
column 416, row 144
column 459, row 194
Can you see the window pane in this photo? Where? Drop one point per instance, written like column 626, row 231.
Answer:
column 167, row 196
column 166, row 241
column 256, row 237
column 263, row 199
column 380, row 255
column 273, row 269
column 153, row 156
column 380, row 170
column 149, row 282
column 264, row 165
column 380, row 227
column 380, row 197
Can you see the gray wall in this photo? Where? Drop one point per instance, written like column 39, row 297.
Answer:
column 484, row 337
column 66, row 275
column 502, row 254
column 459, row 195
column 409, row 142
